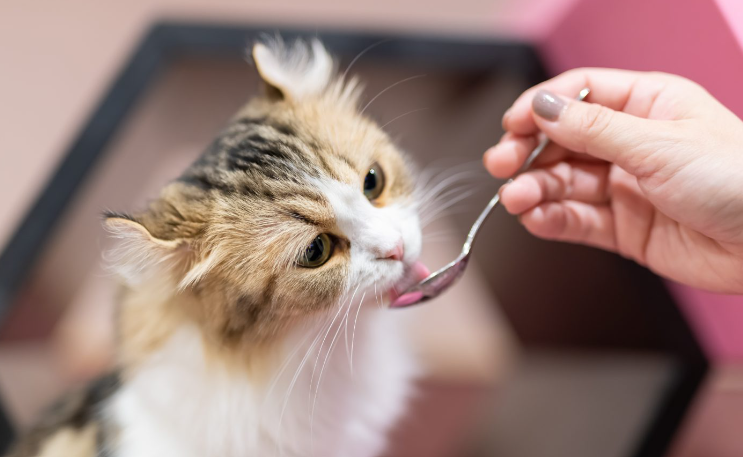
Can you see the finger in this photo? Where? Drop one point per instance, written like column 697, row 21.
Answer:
column 506, row 157
column 572, row 221
column 640, row 146
column 634, row 215
column 555, row 153
column 579, row 181
column 628, row 91
column 610, row 88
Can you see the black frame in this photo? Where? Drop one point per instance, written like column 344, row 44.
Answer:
column 166, row 41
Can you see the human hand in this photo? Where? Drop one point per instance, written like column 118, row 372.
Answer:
column 651, row 168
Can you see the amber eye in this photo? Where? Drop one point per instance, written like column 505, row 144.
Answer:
column 317, row 253
column 374, row 182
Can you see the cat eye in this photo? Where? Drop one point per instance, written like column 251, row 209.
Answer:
column 374, row 182
column 317, row 253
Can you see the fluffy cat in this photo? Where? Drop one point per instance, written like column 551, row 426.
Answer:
column 252, row 320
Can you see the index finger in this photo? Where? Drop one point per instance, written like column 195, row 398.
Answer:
column 624, row 90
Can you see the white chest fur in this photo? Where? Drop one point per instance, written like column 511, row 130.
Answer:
column 180, row 404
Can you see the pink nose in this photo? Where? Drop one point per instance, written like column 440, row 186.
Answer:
column 395, row 253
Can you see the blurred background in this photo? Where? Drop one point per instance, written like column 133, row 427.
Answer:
column 541, row 350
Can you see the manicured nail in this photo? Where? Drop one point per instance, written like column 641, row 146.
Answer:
column 548, row 105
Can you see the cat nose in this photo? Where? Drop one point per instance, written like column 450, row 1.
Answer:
column 395, row 253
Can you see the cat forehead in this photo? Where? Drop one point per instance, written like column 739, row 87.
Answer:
column 327, row 126
column 291, row 144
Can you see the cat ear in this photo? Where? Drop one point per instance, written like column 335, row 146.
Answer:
column 140, row 254
column 293, row 72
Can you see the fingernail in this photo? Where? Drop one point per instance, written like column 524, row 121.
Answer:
column 548, row 105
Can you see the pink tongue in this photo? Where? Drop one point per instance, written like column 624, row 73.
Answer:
column 419, row 272
column 406, row 299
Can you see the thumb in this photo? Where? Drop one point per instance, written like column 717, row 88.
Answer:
column 635, row 144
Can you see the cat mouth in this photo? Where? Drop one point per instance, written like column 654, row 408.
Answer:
column 414, row 274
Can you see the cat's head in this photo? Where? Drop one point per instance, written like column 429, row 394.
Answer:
column 300, row 203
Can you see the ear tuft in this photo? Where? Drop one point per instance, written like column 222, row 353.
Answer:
column 139, row 254
column 293, row 71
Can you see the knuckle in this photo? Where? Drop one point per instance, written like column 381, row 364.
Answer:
column 595, row 121
column 575, row 71
column 663, row 76
column 677, row 81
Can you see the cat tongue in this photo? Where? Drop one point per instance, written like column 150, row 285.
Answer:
column 418, row 272
column 406, row 299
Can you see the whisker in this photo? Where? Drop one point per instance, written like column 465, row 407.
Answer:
column 448, row 214
column 283, row 368
column 358, row 56
column 443, row 198
column 430, row 217
column 429, row 194
column 441, row 233
column 345, row 330
column 440, row 168
column 445, row 210
column 311, row 409
column 439, row 187
column 353, row 335
column 445, row 178
column 388, row 88
column 438, row 199
column 317, row 359
column 403, row 115
column 322, row 370
column 348, row 308
column 438, row 241
column 291, row 388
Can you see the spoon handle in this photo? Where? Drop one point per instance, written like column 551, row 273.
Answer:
column 481, row 219
column 496, row 199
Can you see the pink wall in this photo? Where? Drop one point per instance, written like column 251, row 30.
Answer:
column 690, row 38
column 699, row 39
column 732, row 10
column 717, row 319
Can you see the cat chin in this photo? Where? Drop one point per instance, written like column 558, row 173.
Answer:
column 414, row 274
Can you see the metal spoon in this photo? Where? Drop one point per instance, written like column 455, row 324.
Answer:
column 438, row 282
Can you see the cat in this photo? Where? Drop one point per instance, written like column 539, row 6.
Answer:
column 252, row 318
